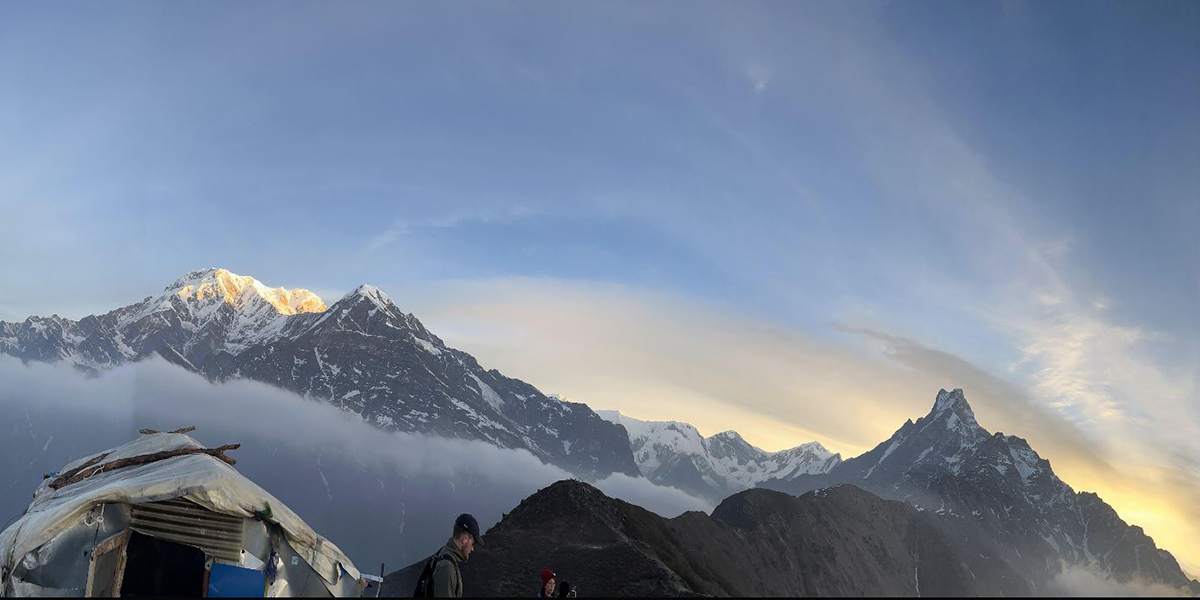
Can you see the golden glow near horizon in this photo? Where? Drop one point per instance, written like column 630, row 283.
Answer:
column 615, row 347
column 1149, row 502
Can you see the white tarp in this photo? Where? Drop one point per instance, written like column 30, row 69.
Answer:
column 203, row 479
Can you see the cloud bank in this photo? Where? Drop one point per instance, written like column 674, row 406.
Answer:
column 381, row 496
column 1078, row 581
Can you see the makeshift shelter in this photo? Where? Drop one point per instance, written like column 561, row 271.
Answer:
column 165, row 516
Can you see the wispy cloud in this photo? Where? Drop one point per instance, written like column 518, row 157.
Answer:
column 1094, row 370
column 389, row 235
column 759, row 77
column 663, row 356
column 451, row 220
column 660, row 355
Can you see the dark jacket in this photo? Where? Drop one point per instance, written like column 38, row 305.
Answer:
column 447, row 579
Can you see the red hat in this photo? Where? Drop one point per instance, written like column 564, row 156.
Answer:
column 547, row 575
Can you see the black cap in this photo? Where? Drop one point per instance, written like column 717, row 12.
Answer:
column 465, row 522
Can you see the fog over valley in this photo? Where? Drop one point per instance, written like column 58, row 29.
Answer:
column 381, row 496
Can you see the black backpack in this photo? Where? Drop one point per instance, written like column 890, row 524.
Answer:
column 424, row 587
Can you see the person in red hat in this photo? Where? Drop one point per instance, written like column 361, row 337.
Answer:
column 549, row 580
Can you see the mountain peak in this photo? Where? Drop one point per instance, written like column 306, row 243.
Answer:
column 369, row 292
column 949, row 401
column 206, row 285
column 953, row 408
column 815, row 447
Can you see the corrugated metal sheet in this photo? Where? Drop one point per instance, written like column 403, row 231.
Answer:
column 185, row 522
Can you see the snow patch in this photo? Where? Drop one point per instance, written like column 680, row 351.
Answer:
column 891, row 447
column 489, row 395
column 427, row 346
column 1025, row 462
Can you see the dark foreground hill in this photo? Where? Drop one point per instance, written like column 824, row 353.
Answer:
column 836, row 542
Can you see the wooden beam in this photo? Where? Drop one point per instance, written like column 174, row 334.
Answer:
column 85, row 471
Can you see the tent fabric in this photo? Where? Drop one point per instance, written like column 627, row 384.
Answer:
column 200, row 478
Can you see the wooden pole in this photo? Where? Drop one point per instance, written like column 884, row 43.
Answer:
column 87, row 470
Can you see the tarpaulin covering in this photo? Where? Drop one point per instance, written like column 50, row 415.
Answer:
column 200, row 478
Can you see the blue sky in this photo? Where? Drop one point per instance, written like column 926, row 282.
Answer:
column 896, row 191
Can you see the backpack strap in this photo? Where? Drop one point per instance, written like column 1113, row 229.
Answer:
column 425, row 581
column 446, row 556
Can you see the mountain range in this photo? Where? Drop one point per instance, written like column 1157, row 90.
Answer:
column 675, row 454
column 974, row 512
column 362, row 353
column 941, row 508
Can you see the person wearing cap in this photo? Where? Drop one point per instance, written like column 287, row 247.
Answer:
column 549, row 580
column 447, row 578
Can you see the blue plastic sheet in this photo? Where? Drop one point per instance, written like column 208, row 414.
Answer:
column 227, row 581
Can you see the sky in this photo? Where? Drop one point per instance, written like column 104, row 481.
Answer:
column 797, row 220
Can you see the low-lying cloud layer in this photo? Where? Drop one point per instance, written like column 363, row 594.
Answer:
column 1081, row 581
column 381, row 496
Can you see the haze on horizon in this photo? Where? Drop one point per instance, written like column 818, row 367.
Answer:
column 798, row 221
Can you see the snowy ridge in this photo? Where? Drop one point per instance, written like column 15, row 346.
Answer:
column 240, row 291
column 654, row 441
column 204, row 312
column 675, row 453
column 200, row 295
column 362, row 354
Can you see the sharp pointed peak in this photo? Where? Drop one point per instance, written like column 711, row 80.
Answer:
column 370, row 292
column 953, row 402
column 948, row 400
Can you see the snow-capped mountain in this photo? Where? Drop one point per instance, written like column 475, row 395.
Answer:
column 675, row 454
column 203, row 312
column 998, row 492
column 362, row 353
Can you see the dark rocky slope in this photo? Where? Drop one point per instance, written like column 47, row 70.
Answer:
column 837, row 542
